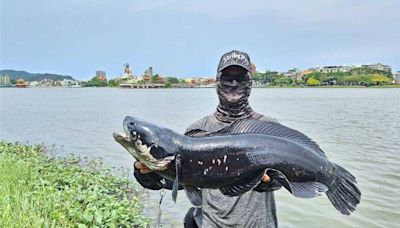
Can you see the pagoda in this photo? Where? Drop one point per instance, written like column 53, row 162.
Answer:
column 20, row 83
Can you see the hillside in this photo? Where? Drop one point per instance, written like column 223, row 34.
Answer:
column 14, row 75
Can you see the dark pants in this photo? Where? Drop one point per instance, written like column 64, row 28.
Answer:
column 188, row 221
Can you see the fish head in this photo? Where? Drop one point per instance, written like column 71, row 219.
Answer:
column 147, row 142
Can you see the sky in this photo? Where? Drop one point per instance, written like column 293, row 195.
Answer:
column 186, row 38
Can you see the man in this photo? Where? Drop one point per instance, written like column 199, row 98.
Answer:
column 252, row 209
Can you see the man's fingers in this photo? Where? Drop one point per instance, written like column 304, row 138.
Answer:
column 145, row 170
column 142, row 168
column 139, row 165
column 265, row 178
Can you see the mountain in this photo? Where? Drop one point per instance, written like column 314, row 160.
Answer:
column 14, row 75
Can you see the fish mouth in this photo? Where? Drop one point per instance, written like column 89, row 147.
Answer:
column 142, row 152
column 122, row 138
column 138, row 148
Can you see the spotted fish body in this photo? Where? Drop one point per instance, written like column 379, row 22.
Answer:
column 235, row 159
column 214, row 162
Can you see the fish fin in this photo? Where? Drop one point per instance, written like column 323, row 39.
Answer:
column 243, row 185
column 194, row 195
column 343, row 193
column 196, row 133
column 299, row 189
column 175, row 186
column 280, row 177
column 255, row 126
column 308, row 189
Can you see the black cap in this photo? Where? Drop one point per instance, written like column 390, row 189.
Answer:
column 235, row 58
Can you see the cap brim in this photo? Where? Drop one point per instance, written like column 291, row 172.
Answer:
column 234, row 64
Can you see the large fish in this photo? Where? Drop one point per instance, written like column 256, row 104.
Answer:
column 235, row 159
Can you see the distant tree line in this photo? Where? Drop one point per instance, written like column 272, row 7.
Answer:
column 168, row 81
column 357, row 76
column 96, row 82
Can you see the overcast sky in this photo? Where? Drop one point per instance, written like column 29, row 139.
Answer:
column 187, row 37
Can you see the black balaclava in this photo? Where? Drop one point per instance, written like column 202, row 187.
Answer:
column 233, row 94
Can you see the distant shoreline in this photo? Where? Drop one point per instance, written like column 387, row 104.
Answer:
column 255, row 87
column 336, row 87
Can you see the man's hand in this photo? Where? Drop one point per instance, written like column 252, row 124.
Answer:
column 142, row 168
column 265, row 178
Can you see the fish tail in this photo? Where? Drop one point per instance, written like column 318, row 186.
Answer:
column 344, row 194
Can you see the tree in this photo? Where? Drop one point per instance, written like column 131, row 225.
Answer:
column 172, row 80
column 313, row 82
column 270, row 77
column 378, row 79
column 367, row 70
column 96, row 82
column 257, row 76
column 167, row 85
column 283, row 81
column 113, row 82
column 155, row 78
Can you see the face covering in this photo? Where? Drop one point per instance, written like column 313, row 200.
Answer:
column 233, row 94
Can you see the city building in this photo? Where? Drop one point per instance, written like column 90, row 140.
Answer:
column 146, row 78
column 331, row 69
column 379, row 66
column 69, row 83
column 101, row 75
column 294, row 73
column 207, row 80
column 396, row 77
column 34, row 83
column 5, row 80
column 149, row 72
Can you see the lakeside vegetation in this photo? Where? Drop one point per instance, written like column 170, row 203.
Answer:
column 360, row 76
column 356, row 77
column 363, row 76
column 155, row 79
column 38, row 190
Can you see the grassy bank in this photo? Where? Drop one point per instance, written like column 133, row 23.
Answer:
column 336, row 86
column 37, row 190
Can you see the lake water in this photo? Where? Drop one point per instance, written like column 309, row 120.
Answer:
column 357, row 128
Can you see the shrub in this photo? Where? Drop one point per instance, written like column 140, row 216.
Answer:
column 37, row 190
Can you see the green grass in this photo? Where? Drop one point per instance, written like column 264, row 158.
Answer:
column 37, row 190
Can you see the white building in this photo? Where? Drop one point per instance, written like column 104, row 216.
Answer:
column 294, row 73
column 69, row 83
column 33, row 83
column 331, row 69
column 4, row 80
column 396, row 77
column 379, row 66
